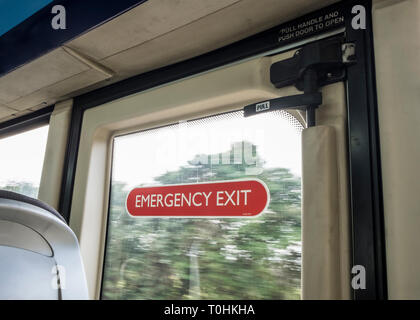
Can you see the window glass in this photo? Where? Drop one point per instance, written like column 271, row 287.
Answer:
column 21, row 161
column 207, row 258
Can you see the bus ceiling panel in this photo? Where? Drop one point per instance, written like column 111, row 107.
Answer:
column 40, row 66
column 171, row 31
column 46, row 80
column 6, row 112
column 36, row 36
column 144, row 23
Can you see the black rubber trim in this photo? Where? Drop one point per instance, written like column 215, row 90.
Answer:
column 10, row 195
column 367, row 212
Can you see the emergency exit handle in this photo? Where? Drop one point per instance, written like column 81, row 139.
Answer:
column 299, row 101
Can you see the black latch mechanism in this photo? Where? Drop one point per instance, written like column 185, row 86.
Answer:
column 313, row 66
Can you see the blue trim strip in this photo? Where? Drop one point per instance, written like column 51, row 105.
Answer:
column 34, row 37
column 13, row 12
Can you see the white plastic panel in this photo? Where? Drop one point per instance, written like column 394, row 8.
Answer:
column 34, row 268
column 28, row 274
column 397, row 51
column 17, row 235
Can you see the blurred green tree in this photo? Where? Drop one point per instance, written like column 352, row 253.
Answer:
column 178, row 258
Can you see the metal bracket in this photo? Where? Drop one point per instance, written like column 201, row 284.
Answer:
column 313, row 66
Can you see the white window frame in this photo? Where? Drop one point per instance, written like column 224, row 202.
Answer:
column 221, row 90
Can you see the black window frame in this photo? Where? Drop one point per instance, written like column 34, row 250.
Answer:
column 367, row 217
column 26, row 122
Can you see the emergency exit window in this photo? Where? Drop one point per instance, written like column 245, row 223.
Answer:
column 207, row 257
column 21, row 161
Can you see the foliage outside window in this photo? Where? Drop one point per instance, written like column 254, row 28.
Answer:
column 21, row 161
column 207, row 258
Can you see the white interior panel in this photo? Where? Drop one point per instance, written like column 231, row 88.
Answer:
column 397, row 52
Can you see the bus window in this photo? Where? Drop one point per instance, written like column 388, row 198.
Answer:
column 21, row 161
column 207, row 258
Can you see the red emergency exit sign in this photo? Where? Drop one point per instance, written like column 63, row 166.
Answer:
column 238, row 198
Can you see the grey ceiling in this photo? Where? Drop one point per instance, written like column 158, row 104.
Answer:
column 155, row 34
